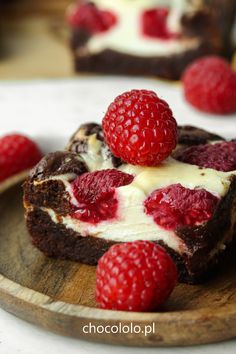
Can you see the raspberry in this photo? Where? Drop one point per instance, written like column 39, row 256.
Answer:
column 210, row 85
column 135, row 276
column 154, row 24
column 89, row 18
column 176, row 206
column 95, row 194
column 220, row 156
column 139, row 128
column 17, row 153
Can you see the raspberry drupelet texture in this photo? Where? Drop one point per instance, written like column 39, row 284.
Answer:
column 176, row 206
column 139, row 127
column 95, row 194
column 87, row 17
column 210, row 85
column 220, row 156
column 135, row 276
column 17, row 153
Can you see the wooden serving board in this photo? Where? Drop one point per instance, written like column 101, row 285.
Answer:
column 59, row 295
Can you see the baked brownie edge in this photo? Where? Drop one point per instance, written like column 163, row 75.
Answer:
column 41, row 191
column 170, row 67
column 57, row 241
column 204, row 239
column 190, row 135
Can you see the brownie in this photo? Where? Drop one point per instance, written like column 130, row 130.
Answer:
column 78, row 143
column 168, row 67
column 58, row 163
column 55, row 240
column 189, row 135
column 51, row 193
column 45, row 190
column 211, row 24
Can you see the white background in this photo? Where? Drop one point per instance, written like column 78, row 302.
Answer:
column 50, row 111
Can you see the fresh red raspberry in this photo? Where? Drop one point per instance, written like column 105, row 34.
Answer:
column 95, row 194
column 17, row 153
column 135, row 276
column 176, row 206
column 154, row 23
column 89, row 18
column 220, row 156
column 210, row 85
column 139, row 127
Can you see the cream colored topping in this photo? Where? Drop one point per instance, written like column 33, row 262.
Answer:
column 173, row 171
column 126, row 36
column 94, row 158
column 130, row 224
column 169, row 172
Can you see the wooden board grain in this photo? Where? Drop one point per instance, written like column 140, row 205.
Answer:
column 59, row 295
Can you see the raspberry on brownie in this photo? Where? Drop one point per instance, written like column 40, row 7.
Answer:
column 81, row 201
column 139, row 127
column 148, row 37
column 175, row 206
column 95, row 195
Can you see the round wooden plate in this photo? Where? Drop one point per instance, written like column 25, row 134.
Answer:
column 59, row 295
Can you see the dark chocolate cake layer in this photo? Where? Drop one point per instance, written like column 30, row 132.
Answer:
column 48, row 205
column 167, row 67
column 56, row 241
column 189, row 135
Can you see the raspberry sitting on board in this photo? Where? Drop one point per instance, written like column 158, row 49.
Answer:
column 135, row 276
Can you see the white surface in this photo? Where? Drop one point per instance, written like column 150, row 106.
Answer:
column 50, row 112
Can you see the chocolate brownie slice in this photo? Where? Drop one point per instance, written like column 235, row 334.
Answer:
column 51, row 205
column 149, row 38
